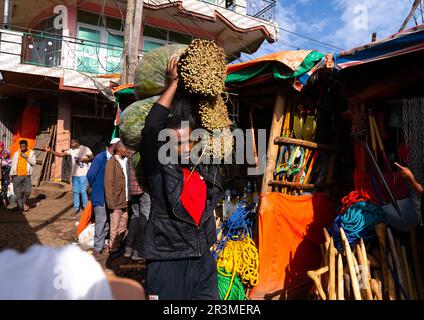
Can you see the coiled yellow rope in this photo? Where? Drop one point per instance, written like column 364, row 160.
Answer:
column 239, row 257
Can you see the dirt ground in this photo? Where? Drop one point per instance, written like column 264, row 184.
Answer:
column 49, row 222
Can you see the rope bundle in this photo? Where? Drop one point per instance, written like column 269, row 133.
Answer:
column 358, row 222
column 237, row 227
column 236, row 254
column 238, row 259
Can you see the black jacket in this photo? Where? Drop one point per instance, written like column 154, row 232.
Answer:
column 171, row 233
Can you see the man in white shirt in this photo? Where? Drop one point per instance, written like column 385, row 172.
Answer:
column 81, row 157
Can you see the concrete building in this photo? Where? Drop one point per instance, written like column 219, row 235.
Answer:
column 63, row 56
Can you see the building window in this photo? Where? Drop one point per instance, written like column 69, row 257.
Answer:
column 154, row 37
column 100, row 50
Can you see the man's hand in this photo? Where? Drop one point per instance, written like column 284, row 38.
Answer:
column 23, row 155
column 405, row 172
column 48, row 149
column 171, row 70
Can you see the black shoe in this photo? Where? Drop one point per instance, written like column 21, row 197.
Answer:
column 115, row 254
column 75, row 212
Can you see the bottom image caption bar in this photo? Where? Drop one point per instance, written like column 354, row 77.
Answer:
column 211, row 310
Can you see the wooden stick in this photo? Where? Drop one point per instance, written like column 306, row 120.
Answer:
column 358, row 276
column 351, row 265
column 315, row 276
column 365, row 257
column 395, row 254
column 380, row 230
column 332, row 274
column 308, row 144
column 326, row 235
column 417, row 264
column 376, row 289
column 365, row 278
column 392, row 286
column 407, row 273
column 348, row 286
column 340, row 278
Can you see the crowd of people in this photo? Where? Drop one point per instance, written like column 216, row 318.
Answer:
column 115, row 192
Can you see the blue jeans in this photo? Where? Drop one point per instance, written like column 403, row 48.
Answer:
column 79, row 187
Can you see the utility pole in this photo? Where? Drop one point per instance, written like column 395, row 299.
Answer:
column 414, row 7
column 131, row 39
column 138, row 17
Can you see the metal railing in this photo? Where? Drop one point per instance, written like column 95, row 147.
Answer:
column 262, row 9
column 52, row 50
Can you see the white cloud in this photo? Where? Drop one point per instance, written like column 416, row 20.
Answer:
column 360, row 18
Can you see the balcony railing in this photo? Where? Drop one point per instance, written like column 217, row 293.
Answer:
column 262, row 9
column 50, row 50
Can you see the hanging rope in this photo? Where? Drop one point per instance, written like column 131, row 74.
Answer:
column 239, row 258
column 358, row 222
column 237, row 227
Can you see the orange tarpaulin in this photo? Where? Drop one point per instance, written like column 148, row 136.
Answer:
column 86, row 218
column 26, row 128
column 290, row 234
column 292, row 59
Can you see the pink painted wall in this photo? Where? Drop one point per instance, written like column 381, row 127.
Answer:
column 63, row 132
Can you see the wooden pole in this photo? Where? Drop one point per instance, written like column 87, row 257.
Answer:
column 397, row 262
column 127, row 40
column 138, row 17
column 340, row 278
column 332, row 275
column 417, row 264
column 351, row 266
column 272, row 153
column 366, row 288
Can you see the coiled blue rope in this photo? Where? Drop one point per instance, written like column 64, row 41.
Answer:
column 358, row 222
column 237, row 227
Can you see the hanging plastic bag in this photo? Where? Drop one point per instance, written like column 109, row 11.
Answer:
column 86, row 238
column 150, row 75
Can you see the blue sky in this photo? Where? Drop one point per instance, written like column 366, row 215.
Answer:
column 341, row 23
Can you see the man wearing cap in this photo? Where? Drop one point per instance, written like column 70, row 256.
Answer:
column 95, row 176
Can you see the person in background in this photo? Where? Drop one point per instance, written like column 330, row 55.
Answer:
column 66, row 273
column 23, row 162
column 116, row 192
column 81, row 157
column 96, row 179
column 5, row 165
column 140, row 210
column 410, row 178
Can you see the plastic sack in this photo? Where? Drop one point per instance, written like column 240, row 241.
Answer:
column 86, row 238
column 132, row 121
column 150, row 75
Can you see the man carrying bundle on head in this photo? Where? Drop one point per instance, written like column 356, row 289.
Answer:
column 181, row 228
